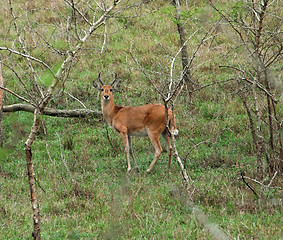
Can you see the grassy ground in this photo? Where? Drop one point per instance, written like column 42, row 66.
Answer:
column 85, row 193
column 82, row 185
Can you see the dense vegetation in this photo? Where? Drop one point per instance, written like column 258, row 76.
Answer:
column 82, row 186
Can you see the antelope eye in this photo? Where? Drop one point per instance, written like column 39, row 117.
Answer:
column 111, row 89
column 101, row 89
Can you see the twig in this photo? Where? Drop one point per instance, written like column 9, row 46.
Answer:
column 38, row 183
column 176, row 91
column 64, row 161
column 260, row 183
column 25, row 50
column 212, row 83
column 20, row 80
column 28, row 57
column 272, row 179
column 17, row 95
column 72, row 5
column 243, row 178
column 193, row 147
column 258, row 85
column 104, row 37
column 75, row 99
column 99, row 6
column 145, row 74
column 187, row 179
column 48, row 153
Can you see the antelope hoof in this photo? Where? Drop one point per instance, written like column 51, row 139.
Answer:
column 148, row 170
column 129, row 169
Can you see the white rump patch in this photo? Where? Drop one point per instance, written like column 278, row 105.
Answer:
column 174, row 131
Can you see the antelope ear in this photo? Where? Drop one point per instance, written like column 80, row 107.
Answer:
column 117, row 86
column 114, row 84
column 95, row 84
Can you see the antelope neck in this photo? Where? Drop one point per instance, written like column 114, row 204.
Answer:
column 108, row 110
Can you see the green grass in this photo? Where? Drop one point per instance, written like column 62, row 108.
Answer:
column 85, row 193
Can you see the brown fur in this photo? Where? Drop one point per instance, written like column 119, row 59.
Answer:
column 146, row 120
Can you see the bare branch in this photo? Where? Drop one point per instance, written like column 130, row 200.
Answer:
column 25, row 50
column 75, row 99
column 251, row 82
column 75, row 113
column 78, row 47
column 28, row 57
column 102, row 9
column 176, row 91
column 20, row 80
column 213, row 83
column 17, row 95
column 104, row 37
column 272, row 179
column 72, row 4
column 145, row 74
column 243, row 178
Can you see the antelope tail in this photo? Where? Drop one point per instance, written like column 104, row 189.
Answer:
column 173, row 127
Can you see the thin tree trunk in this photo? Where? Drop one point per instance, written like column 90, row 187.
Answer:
column 269, row 107
column 260, row 148
column 271, row 140
column 184, row 52
column 252, row 127
column 31, row 173
column 1, row 108
column 33, row 196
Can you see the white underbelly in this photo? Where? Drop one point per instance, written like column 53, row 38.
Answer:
column 142, row 133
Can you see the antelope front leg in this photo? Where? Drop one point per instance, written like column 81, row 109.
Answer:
column 131, row 152
column 127, row 150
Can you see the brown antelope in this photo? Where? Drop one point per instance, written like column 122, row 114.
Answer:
column 146, row 120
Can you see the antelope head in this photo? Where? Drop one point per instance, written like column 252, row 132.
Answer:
column 106, row 90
